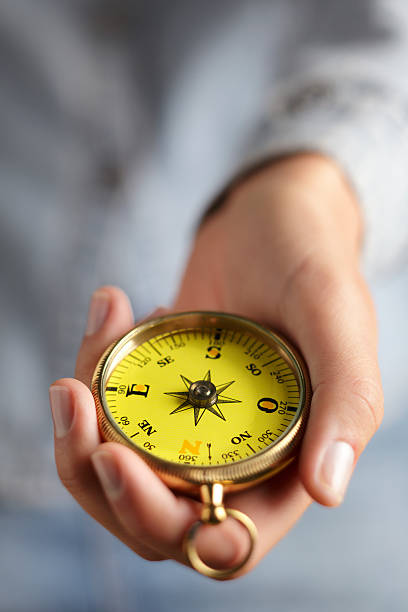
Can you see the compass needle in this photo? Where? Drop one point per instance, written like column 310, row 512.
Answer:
column 177, row 394
column 183, row 406
column 186, row 381
column 197, row 415
column 221, row 388
column 216, row 410
column 222, row 399
column 155, row 393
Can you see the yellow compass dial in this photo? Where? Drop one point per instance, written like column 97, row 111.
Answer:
column 205, row 394
column 211, row 401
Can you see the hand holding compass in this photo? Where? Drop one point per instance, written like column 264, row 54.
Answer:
column 325, row 310
column 249, row 442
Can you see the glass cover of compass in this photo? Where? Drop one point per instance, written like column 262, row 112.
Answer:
column 204, row 397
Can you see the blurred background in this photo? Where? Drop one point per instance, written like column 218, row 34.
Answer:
column 119, row 122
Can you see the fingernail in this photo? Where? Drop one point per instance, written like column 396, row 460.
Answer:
column 62, row 410
column 108, row 474
column 337, row 467
column 98, row 309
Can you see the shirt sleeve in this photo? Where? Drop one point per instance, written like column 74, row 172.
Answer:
column 347, row 98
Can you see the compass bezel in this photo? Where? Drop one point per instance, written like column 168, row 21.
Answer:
column 239, row 473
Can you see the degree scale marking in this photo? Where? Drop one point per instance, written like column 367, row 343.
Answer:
column 187, row 349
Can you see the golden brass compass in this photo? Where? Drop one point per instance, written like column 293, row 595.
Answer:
column 211, row 401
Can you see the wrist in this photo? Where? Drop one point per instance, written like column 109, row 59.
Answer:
column 313, row 185
column 295, row 214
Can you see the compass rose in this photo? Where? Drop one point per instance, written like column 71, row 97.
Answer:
column 202, row 395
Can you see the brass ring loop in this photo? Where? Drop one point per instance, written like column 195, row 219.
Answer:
column 198, row 564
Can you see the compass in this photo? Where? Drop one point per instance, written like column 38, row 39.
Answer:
column 211, row 401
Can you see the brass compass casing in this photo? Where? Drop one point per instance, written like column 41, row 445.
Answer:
column 199, row 396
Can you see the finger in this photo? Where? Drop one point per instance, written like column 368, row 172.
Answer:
column 76, row 438
column 330, row 314
column 109, row 317
column 274, row 506
column 153, row 514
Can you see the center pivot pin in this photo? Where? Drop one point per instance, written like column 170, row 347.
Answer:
column 202, row 393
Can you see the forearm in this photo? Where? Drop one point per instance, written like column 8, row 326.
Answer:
column 297, row 209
